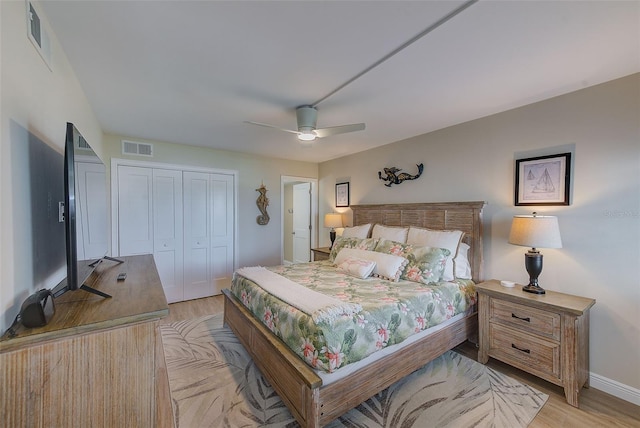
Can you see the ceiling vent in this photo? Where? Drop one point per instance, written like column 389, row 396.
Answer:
column 137, row 149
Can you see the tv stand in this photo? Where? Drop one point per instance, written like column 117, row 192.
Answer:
column 97, row 262
column 102, row 358
column 94, row 291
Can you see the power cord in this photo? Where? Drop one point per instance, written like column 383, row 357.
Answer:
column 10, row 330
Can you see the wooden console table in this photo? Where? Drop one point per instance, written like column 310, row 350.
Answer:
column 98, row 363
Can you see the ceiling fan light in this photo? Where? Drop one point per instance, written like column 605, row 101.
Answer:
column 306, row 136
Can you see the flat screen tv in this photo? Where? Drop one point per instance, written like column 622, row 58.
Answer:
column 85, row 213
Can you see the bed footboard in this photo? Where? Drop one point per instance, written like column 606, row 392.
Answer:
column 296, row 383
column 301, row 389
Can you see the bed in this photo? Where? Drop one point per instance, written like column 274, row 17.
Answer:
column 315, row 403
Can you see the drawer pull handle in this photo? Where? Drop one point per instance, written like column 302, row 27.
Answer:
column 527, row 319
column 528, row 351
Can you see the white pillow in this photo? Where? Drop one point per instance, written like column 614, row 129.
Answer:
column 361, row 232
column 360, row 268
column 390, row 233
column 462, row 268
column 449, row 239
column 387, row 266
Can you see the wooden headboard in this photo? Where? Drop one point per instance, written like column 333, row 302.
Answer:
column 465, row 216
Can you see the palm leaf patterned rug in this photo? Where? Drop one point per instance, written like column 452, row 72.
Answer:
column 214, row 383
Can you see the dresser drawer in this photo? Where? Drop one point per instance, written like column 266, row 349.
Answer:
column 530, row 353
column 530, row 320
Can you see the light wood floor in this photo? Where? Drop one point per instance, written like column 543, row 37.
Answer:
column 597, row 409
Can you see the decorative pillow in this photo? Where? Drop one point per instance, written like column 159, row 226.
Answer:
column 342, row 242
column 361, row 232
column 462, row 268
column 387, row 266
column 425, row 264
column 391, row 233
column 449, row 239
column 360, row 268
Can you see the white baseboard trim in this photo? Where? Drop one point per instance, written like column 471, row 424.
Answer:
column 615, row 388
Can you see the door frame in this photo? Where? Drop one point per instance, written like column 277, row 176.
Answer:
column 284, row 179
column 116, row 162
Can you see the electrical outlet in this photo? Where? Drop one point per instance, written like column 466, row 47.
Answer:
column 60, row 212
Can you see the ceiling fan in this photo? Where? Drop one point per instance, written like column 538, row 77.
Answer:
column 307, row 117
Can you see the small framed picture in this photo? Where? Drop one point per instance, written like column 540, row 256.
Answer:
column 543, row 180
column 342, row 195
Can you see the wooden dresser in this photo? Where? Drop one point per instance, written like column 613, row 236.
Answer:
column 546, row 335
column 98, row 363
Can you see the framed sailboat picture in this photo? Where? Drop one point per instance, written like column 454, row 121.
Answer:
column 543, row 180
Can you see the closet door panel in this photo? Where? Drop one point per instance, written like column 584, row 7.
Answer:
column 222, row 226
column 197, row 235
column 135, row 211
column 168, row 248
column 92, row 210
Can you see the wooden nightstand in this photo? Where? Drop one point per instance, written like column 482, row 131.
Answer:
column 546, row 335
column 321, row 253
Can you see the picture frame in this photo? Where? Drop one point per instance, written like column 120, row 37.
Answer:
column 342, row 195
column 543, row 180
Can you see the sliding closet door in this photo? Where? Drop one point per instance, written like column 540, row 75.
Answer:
column 135, row 210
column 167, row 231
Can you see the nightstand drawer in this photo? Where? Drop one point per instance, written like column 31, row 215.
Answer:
column 530, row 320
column 530, row 353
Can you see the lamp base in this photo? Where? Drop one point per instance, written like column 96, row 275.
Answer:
column 332, row 236
column 536, row 289
column 533, row 264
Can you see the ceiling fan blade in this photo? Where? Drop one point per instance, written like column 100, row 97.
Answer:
column 272, row 126
column 342, row 129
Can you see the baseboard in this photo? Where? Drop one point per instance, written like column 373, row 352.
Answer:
column 617, row 389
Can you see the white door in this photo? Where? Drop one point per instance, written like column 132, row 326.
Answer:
column 135, row 210
column 185, row 219
column 167, row 231
column 222, row 230
column 301, row 222
column 91, row 210
column 197, row 235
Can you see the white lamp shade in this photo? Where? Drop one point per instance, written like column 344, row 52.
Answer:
column 535, row 231
column 333, row 220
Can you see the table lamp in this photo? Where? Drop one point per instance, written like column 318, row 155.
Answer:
column 332, row 220
column 535, row 231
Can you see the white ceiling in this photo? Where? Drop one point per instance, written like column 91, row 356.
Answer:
column 191, row 72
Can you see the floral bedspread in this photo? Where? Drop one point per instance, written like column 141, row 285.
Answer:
column 391, row 312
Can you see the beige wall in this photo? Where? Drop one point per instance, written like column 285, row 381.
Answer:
column 36, row 101
column 257, row 245
column 600, row 229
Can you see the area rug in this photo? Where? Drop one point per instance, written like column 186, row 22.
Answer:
column 214, row 383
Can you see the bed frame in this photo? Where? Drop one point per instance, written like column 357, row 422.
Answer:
column 301, row 389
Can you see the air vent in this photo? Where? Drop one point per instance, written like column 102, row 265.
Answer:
column 83, row 145
column 38, row 34
column 137, row 149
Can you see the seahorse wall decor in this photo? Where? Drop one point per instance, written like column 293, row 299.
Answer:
column 392, row 176
column 262, row 202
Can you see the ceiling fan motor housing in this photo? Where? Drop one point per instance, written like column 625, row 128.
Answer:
column 307, row 117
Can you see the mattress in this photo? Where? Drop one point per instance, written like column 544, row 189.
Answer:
column 391, row 312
